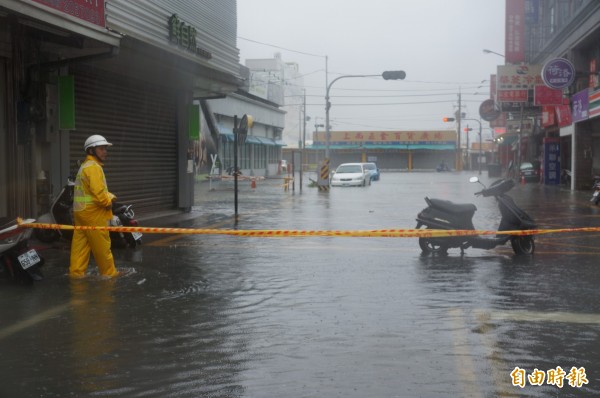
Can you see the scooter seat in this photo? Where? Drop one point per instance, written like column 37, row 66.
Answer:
column 451, row 207
column 118, row 209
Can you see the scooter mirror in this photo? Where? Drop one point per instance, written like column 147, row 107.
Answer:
column 473, row 179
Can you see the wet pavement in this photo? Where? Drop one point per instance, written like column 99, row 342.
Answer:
column 223, row 316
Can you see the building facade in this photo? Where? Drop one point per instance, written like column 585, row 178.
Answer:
column 130, row 71
column 260, row 153
column 281, row 83
column 570, row 127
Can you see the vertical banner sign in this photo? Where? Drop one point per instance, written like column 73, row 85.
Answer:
column 581, row 104
column 194, row 122
column 86, row 10
column 515, row 31
column 563, row 115
column 66, row 102
column 552, row 161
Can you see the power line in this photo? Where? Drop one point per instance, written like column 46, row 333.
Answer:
column 282, row 48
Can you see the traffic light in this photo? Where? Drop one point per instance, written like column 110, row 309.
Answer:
column 448, row 119
column 467, row 129
column 393, row 75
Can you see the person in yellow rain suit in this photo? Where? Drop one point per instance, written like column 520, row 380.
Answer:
column 92, row 206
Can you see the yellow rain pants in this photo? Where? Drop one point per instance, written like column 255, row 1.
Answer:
column 91, row 207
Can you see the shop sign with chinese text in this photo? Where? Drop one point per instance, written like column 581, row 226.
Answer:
column 548, row 116
column 552, row 161
column 543, row 95
column 388, row 137
column 512, row 95
column 558, row 73
column 581, row 103
column 518, row 77
column 563, row 115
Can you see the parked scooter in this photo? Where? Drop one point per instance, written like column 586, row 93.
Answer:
column 61, row 212
column 18, row 261
column 123, row 215
column 443, row 214
column 565, row 177
column 596, row 190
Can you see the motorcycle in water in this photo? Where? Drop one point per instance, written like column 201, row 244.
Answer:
column 596, row 191
column 18, row 261
column 61, row 212
column 123, row 215
column 443, row 214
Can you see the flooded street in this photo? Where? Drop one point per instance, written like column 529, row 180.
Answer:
column 223, row 316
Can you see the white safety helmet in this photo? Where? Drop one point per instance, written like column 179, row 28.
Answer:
column 94, row 141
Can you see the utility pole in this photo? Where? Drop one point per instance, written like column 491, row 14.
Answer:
column 303, row 143
column 459, row 148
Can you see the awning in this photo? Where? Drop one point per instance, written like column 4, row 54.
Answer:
column 227, row 137
column 251, row 139
column 63, row 20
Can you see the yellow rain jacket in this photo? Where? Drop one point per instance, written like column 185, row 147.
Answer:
column 92, row 206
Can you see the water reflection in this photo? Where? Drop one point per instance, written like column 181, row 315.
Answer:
column 95, row 341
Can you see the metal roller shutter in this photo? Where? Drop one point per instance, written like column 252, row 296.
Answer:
column 140, row 120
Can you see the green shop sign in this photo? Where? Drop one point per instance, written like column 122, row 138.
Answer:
column 185, row 37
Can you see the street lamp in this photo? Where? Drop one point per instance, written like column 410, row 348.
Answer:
column 387, row 75
column 485, row 50
column 479, row 159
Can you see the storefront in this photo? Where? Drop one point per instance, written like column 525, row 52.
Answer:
column 127, row 71
column 392, row 150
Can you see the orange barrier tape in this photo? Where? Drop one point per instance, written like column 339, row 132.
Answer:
column 271, row 233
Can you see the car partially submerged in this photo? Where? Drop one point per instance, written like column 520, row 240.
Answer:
column 350, row 174
column 373, row 170
column 529, row 172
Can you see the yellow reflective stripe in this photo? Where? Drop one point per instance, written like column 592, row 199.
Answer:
column 83, row 199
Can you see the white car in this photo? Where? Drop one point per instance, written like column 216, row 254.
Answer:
column 351, row 174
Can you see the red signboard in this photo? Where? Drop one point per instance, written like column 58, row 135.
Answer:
column 548, row 116
column 512, row 95
column 91, row 11
column 544, row 95
column 563, row 114
column 515, row 31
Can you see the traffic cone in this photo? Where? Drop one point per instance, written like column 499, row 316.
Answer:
column 253, row 183
column 522, row 179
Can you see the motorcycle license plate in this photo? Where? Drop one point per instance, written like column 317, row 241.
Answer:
column 136, row 235
column 29, row 259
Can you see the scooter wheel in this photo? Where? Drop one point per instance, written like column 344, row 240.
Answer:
column 46, row 235
column 117, row 241
column 430, row 247
column 523, row 244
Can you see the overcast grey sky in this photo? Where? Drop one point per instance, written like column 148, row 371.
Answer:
column 438, row 43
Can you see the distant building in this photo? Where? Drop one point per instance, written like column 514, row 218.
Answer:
column 395, row 150
column 281, row 83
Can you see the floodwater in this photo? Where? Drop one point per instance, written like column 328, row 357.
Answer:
column 223, row 316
